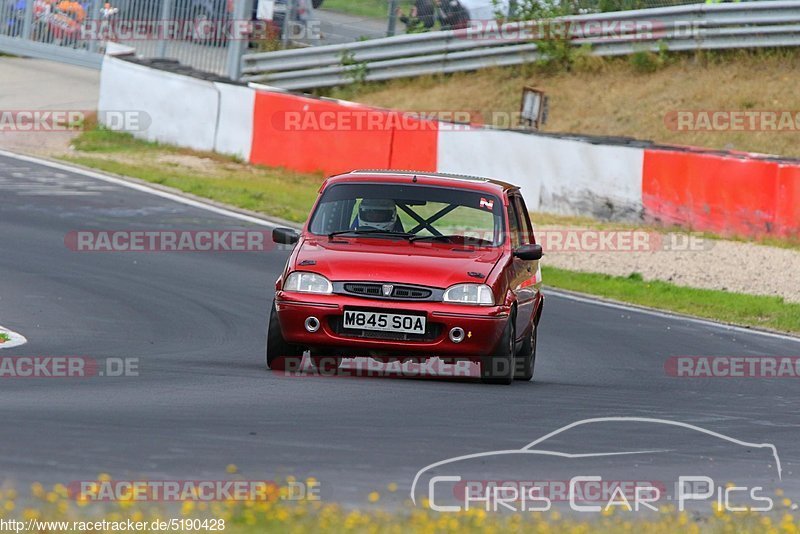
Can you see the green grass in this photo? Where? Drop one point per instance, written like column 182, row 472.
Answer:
column 749, row 310
column 277, row 192
column 378, row 9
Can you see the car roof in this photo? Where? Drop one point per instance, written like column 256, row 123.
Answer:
column 479, row 183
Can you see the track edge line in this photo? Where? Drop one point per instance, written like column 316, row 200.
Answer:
column 162, row 191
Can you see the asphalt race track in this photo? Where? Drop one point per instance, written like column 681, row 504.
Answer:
column 203, row 400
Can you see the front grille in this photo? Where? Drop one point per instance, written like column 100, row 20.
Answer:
column 411, row 293
column 432, row 331
column 372, row 290
column 397, row 292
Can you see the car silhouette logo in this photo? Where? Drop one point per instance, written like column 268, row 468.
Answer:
column 387, row 290
column 533, row 448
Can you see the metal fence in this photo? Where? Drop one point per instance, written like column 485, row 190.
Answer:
column 206, row 35
column 387, row 11
column 678, row 28
column 44, row 29
column 199, row 33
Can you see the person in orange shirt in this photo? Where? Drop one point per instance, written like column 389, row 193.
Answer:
column 72, row 9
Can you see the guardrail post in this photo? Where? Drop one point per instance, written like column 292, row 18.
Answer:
column 27, row 25
column 95, row 16
column 161, row 46
column 237, row 46
column 287, row 22
column 391, row 30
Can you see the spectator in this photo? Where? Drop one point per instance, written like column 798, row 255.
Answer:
column 452, row 15
column 420, row 18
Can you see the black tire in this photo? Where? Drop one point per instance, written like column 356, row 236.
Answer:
column 526, row 357
column 498, row 368
column 281, row 356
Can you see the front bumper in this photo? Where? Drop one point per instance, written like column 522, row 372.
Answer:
column 483, row 326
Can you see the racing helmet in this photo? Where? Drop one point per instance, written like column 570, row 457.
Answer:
column 377, row 213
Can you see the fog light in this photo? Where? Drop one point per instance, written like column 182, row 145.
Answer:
column 312, row 324
column 457, row 334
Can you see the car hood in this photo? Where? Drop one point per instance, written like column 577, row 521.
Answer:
column 385, row 260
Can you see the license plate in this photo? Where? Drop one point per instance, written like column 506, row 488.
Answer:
column 384, row 322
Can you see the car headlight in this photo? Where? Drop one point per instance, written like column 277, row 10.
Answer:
column 305, row 282
column 479, row 294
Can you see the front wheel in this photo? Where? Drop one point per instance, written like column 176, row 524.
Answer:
column 526, row 357
column 281, row 356
column 498, row 367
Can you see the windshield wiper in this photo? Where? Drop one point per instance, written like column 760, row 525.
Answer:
column 445, row 238
column 389, row 233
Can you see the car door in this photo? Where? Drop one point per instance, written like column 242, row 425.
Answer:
column 524, row 271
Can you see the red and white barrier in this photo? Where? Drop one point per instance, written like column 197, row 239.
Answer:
column 182, row 110
column 728, row 194
column 233, row 132
column 309, row 134
column 742, row 194
column 557, row 175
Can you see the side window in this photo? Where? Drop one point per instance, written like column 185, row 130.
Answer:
column 525, row 222
column 513, row 222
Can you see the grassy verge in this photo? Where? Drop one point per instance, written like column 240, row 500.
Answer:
column 289, row 195
column 277, row 192
column 748, row 310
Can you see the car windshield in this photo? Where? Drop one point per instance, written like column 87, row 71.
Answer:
column 416, row 212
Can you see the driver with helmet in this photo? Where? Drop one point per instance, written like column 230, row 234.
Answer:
column 378, row 214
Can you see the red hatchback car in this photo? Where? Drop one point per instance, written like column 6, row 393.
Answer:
column 411, row 265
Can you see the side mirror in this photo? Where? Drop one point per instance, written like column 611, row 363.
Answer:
column 285, row 236
column 529, row 252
